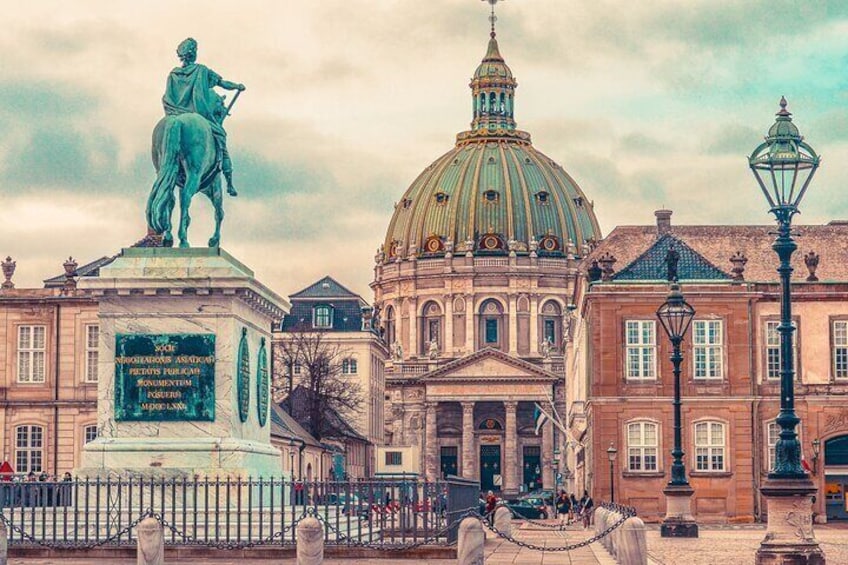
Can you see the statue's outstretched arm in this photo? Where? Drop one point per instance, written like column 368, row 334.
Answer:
column 227, row 85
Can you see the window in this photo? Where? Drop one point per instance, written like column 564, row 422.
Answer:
column 642, row 446
column 349, row 366
column 89, row 433
column 491, row 330
column 394, row 458
column 441, row 198
column 297, row 369
column 29, row 443
column 542, row 197
column 707, row 339
column 641, row 349
column 772, row 342
column 840, row 349
column 491, row 195
column 709, row 446
column 32, row 345
column 322, row 317
column 550, row 330
column 92, row 336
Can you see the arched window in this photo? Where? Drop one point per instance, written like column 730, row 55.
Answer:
column 431, row 326
column 503, row 104
column 490, row 424
column 390, row 325
column 642, row 446
column 322, row 316
column 551, row 324
column 484, row 106
column 29, row 449
column 493, row 103
column 491, row 324
column 710, row 446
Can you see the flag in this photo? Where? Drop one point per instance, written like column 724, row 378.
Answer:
column 540, row 418
column 805, row 465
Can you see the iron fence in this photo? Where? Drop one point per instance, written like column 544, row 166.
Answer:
column 225, row 512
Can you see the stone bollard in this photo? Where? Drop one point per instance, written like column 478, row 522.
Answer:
column 151, row 542
column 4, row 544
column 503, row 521
column 469, row 543
column 632, row 544
column 600, row 514
column 310, row 542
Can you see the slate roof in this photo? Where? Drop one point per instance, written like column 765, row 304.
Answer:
column 651, row 264
column 284, row 426
column 716, row 244
column 296, row 404
column 347, row 307
column 88, row 270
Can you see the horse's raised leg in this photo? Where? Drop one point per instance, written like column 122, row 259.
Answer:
column 215, row 195
column 186, row 193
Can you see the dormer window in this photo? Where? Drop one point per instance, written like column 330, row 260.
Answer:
column 441, row 197
column 322, row 316
column 490, row 196
column 542, row 197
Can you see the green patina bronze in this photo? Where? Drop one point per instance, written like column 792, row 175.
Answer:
column 190, row 147
column 243, row 377
column 164, row 377
column 262, row 385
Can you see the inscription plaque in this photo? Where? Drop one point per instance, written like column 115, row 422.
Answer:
column 164, row 377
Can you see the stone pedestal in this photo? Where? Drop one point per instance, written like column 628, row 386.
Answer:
column 183, row 410
column 678, row 522
column 789, row 539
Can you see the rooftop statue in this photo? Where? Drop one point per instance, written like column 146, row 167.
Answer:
column 190, row 146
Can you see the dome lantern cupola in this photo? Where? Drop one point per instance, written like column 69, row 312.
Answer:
column 493, row 91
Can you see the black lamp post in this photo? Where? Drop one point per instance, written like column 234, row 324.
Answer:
column 612, row 453
column 676, row 315
column 784, row 165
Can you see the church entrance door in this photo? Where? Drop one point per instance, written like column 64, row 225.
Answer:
column 532, row 468
column 490, row 467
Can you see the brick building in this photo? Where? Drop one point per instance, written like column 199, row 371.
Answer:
column 620, row 383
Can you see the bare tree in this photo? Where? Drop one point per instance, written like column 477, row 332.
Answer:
column 320, row 397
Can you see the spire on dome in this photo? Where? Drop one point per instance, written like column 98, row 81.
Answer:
column 493, row 87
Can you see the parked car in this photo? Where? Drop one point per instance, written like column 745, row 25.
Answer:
column 533, row 508
column 546, row 495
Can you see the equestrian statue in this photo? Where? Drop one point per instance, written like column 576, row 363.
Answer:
column 190, row 147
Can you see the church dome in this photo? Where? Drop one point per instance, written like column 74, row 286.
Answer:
column 493, row 192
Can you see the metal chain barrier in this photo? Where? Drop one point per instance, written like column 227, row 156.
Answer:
column 625, row 511
column 76, row 545
column 230, row 545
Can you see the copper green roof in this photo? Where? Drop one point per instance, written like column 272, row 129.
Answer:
column 493, row 186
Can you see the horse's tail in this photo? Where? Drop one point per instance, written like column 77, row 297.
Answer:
column 160, row 203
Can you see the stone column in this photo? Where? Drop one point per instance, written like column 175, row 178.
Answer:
column 310, row 542
column 512, row 316
column 510, row 470
column 150, row 542
column 431, row 443
column 468, row 447
column 447, row 334
column 547, row 456
column 534, row 324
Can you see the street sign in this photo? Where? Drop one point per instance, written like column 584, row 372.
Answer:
column 559, row 478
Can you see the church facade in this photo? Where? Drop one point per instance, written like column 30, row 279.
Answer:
column 473, row 287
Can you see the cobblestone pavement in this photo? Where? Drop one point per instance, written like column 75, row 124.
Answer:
column 716, row 545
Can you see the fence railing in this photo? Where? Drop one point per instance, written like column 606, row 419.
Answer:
column 225, row 513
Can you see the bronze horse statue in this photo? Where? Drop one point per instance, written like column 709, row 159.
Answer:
column 185, row 157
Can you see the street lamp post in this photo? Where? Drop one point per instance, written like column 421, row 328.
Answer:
column 784, row 165
column 612, row 453
column 676, row 315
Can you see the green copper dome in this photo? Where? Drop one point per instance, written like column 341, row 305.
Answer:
column 493, row 192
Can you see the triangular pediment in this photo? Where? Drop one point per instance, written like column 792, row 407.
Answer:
column 651, row 265
column 489, row 364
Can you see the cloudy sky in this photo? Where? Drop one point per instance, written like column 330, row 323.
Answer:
column 646, row 104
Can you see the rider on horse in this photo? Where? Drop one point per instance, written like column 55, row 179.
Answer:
column 189, row 89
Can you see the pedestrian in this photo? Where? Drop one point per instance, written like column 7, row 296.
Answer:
column 563, row 506
column 587, row 505
column 491, row 503
column 575, row 507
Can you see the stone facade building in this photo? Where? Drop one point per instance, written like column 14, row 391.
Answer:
column 473, row 287
column 620, row 384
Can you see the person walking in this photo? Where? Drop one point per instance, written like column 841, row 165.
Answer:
column 587, row 505
column 491, row 503
column 563, row 506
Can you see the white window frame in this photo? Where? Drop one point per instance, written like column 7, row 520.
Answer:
column 708, row 349
column 92, row 352
column 705, row 452
column 29, row 448
column 771, row 342
column 839, row 331
column 349, row 366
column 643, row 350
column 642, row 450
column 315, row 317
column 32, row 360
column 87, row 435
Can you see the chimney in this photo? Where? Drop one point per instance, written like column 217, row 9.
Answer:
column 663, row 222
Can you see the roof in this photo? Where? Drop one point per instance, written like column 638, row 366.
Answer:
column 296, row 404
column 527, row 369
column 716, row 244
column 284, row 426
column 346, row 307
column 328, row 287
column 88, row 270
column 651, row 265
